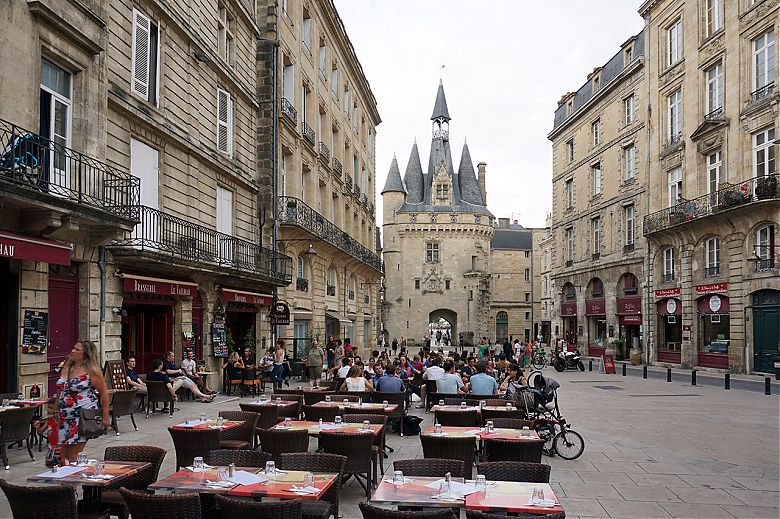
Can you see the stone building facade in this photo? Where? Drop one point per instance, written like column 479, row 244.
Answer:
column 324, row 117
column 547, row 297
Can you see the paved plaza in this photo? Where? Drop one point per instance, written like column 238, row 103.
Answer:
column 653, row 449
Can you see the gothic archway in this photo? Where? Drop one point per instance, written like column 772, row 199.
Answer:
column 446, row 322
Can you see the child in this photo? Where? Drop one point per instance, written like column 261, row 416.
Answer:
column 48, row 428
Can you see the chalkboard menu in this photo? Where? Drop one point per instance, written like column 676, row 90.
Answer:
column 34, row 337
column 219, row 339
column 114, row 374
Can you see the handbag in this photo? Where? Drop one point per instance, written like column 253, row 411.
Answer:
column 90, row 423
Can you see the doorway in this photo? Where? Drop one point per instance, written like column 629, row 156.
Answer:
column 502, row 326
column 766, row 329
column 63, row 320
column 442, row 327
column 240, row 326
column 9, row 312
column 147, row 332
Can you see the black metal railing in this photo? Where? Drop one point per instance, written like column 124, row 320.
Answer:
column 337, row 167
column 667, row 277
column 712, row 272
column 161, row 233
column 715, row 115
column 293, row 211
column 302, row 285
column 44, row 167
column 765, row 265
column 366, row 300
column 763, row 92
column 674, row 139
column 351, row 295
column 569, row 263
column 324, row 152
column 628, row 248
column 364, row 199
column 348, row 181
column 331, row 290
column 728, row 197
column 308, row 133
column 595, row 256
column 289, row 110
column 356, row 189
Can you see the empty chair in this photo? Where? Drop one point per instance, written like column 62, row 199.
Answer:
column 233, row 508
column 512, row 423
column 111, row 497
column 280, row 441
column 157, row 392
column 15, row 427
column 239, row 437
column 41, row 502
column 508, row 450
column 293, row 412
column 457, row 398
column 473, row 514
column 458, row 418
column 430, row 467
column 318, row 462
column 379, row 439
column 312, row 397
column 250, row 381
column 238, row 457
column 394, row 398
column 514, row 471
column 497, row 402
column 313, row 414
column 492, row 414
column 151, row 506
column 122, row 404
column 267, row 415
column 340, row 397
column 374, row 512
column 190, row 443
column 457, row 401
column 431, row 396
column 454, row 448
column 357, row 448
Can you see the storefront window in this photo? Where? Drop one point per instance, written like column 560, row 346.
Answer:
column 715, row 334
column 670, row 329
column 597, row 331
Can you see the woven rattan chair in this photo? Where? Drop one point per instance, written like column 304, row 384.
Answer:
column 430, row 467
column 357, row 447
column 474, row 514
column 122, row 404
column 340, row 397
column 312, row 397
column 374, row 512
column 394, row 398
column 290, row 412
column 454, row 448
column 515, row 471
column 238, row 457
column 229, row 383
column 379, row 439
column 512, row 423
column 111, row 497
column 318, row 462
column 190, row 443
column 497, row 402
column 233, row 508
column 151, row 506
column 457, row 398
column 280, row 441
column 313, row 414
column 157, row 391
column 457, row 401
column 267, row 415
column 458, row 418
column 241, row 436
column 41, row 502
column 492, row 414
column 250, row 381
column 508, row 450
column 15, row 427
column 431, row 395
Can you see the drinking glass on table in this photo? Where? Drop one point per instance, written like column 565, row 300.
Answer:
column 337, row 420
column 366, row 425
column 288, row 422
column 202, row 417
column 525, row 432
column 220, row 421
column 308, row 480
column 100, row 468
column 197, row 463
column 463, row 405
column 346, row 402
column 437, row 428
column 327, row 399
column 508, row 407
column 222, row 474
column 263, row 398
column 481, row 483
column 489, row 425
column 398, row 477
column 81, row 458
column 270, row 468
column 441, row 402
column 385, row 403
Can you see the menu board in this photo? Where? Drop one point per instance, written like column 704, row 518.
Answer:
column 34, row 337
column 219, row 339
column 114, row 373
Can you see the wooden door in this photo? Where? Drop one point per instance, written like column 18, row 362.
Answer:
column 63, row 322
column 766, row 329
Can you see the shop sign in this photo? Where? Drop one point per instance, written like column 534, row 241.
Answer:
column 667, row 292
column 569, row 309
column 595, row 307
column 711, row 288
column 608, row 363
column 714, row 304
column 251, row 298
column 671, row 306
column 630, row 319
column 629, row 305
column 23, row 247
column 280, row 313
column 161, row 288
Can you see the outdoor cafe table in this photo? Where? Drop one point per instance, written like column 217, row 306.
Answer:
column 278, row 487
column 454, row 431
column 208, row 424
column 452, row 407
column 365, row 406
column 314, row 427
column 274, row 403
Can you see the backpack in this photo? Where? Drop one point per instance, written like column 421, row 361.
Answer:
column 411, row 425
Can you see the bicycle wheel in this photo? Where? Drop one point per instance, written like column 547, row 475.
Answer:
column 568, row 444
column 547, row 433
column 539, row 362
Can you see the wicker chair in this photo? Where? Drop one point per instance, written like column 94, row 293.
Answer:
column 496, row 402
column 250, row 381
column 190, row 443
column 457, row 398
column 515, row 471
column 290, row 412
column 394, row 398
column 458, row 418
column 357, row 448
column 508, row 450
column 340, row 397
column 430, row 467
column 233, row 508
column 151, row 506
column 512, row 423
column 280, row 441
column 444, row 447
column 374, row 512
column 379, row 439
column 288, row 391
column 473, row 514
column 318, row 462
column 313, row 414
column 457, row 401
column 492, row 414
column 239, row 437
column 15, row 427
column 157, row 391
column 312, row 397
column 229, row 383
column 239, row 457
column 267, row 415
column 41, row 502
column 122, row 404
column 111, row 497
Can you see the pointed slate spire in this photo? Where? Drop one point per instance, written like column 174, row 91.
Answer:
column 467, row 179
column 413, row 178
column 440, row 107
column 394, row 184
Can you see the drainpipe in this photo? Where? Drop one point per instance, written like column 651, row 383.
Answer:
column 648, row 262
column 102, row 312
column 744, row 335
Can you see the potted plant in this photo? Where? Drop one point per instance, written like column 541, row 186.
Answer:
column 766, row 187
column 617, row 345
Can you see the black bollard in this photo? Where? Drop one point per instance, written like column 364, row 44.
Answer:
column 668, row 374
column 590, row 365
column 624, row 370
column 644, row 372
column 727, row 381
column 767, row 386
column 693, row 377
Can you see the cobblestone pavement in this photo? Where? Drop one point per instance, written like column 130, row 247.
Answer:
column 653, row 449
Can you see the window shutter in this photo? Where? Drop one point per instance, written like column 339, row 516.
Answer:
column 141, row 54
column 224, row 122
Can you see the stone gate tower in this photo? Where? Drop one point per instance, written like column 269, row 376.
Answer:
column 437, row 235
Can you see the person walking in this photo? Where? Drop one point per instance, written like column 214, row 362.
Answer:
column 81, row 386
column 278, row 372
column 314, row 359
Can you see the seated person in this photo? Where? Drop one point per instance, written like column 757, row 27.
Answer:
column 346, row 365
column 157, row 374
column 179, row 379
column 266, row 364
column 390, row 382
column 482, row 383
column 514, row 381
column 376, row 374
column 450, row 382
column 501, row 364
column 235, row 366
column 355, row 381
column 249, row 358
column 133, row 382
column 190, row 368
column 468, row 369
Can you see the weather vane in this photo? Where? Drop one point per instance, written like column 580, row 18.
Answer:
column 440, row 71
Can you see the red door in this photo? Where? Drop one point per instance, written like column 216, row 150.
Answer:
column 63, row 322
column 148, row 333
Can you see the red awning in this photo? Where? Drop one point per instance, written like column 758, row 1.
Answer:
column 252, row 298
column 33, row 248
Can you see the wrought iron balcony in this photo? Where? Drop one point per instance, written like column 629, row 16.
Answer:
column 595, row 256
column 43, row 168
column 161, row 234
column 715, row 115
column 628, row 248
column 364, row 199
column 674, row 139
column 337, row 167
column 569, row 263
column 766, row 265
column 356, row 189
column 763, row 92
column 331, row 290
column 712, row 272
column 348, row 181
column 667, row 277
column 302, row 285
column 726, row 198
column 289, row 110
column 308, row 133
column 293, row 211
column 324, row 152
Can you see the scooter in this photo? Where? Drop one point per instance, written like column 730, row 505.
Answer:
column 568, row 360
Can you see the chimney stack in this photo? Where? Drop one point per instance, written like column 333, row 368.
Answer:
column 481, row 180
column 503, row 223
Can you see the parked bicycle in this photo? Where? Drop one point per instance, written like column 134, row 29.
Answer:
column 539, row 357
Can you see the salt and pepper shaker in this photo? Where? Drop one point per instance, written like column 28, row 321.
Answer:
column 231, row 470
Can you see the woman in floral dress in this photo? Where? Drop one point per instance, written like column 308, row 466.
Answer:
column 81, row 385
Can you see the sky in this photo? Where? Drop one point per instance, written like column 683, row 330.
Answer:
column 506, row 64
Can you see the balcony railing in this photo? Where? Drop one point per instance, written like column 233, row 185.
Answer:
column 714, row 115
column 726, row 198
column 674, row 139
column 763, row 92
column 628, row 248
column 569, row 263
column 712, row 272
column 166, row 235
column 308, row 132
column 302, row 285
column 293, row 211
column 331, row 290
column 289, row 110
column 348, row 181
column 45, row 168
column 667, row 277
column 595, row 256
column 337, row 167
column 356, row 190
column 766, row 265
column 324, row 152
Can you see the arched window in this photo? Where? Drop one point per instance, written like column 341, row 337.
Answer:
column 630, row 284
column 596, row 288
column 569, row 292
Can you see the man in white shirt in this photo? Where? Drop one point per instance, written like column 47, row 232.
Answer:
column 346, row 363
column 450, row 383
column 434, row 372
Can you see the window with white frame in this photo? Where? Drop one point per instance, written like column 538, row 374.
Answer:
column 674, row 43
column 283, row 180
column 334, row 81
column 764, row 149
column 570, row 150
column 628, row 109
column 764, row 60
column 56, row 102
column 595, row 175
column 288, row 83
column 431, row 252
column 569, row 190
column 712, row 254
column 629, row 159
column 303, row 184
column 669, row 255
column 675, row 186
column 224, row 204
column 301, row 274
column 595, row 225
column 225, row 35
column 628, row 222
column 675, row 116
column 714, row 16
column 306, row 30
column 570, row 244
column 331, row 279
column 145, row 58
column 765, row 241
column 346, row 101
column 595, row 129
column 224, row 122
column 323, row 57
column 714, row 166
column 715, row 88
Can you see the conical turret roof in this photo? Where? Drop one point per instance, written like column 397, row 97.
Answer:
column 440, row 107
column 467, row 178
column 413, row 178
column 394, row 184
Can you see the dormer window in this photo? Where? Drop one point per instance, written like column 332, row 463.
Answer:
column 628, row 54
column 442, row 191
column 569, row 107
column 596, row 82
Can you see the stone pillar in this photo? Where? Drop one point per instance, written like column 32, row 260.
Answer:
column 688, row 349
column 733, row 261
column 33, row 295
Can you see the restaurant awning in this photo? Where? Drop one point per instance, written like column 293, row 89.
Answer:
column 33, row 248
column 241, row 296
column 340, row 318
column 136, row 283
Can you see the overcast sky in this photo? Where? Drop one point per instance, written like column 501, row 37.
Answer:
column 507, row 62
